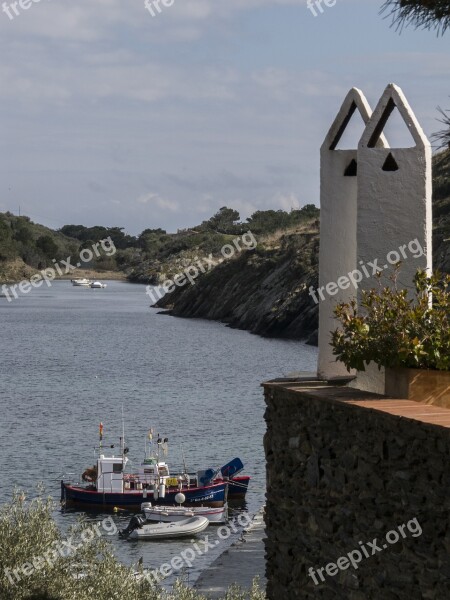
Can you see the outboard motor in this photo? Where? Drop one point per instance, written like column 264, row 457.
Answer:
column 135, row 522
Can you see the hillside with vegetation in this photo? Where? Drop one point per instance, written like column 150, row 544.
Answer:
column 159, row 255
column 27, row 248
column 265, row 290
column 151, row 257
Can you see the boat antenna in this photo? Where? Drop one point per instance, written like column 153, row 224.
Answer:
column 149, row 438
column 123, row 436
column 100, row 436
column 184, row 459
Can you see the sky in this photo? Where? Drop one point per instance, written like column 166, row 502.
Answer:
column 111, row 116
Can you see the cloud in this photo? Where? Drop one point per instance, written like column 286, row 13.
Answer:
column 86, row 21
column 209, row 104
column 154, row 199
column 287, row 202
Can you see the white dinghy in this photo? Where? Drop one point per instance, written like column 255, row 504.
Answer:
column 98, row 285
column 174, row 514
column 140, row 529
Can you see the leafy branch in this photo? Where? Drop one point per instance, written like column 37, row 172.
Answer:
column 427, row 14
column 393, row 329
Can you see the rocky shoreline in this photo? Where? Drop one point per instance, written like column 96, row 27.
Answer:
column 16, row 271
column 264, row 291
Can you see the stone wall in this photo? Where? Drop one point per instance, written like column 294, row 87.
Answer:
column 340, row 473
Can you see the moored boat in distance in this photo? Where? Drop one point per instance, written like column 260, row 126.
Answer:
column 97, row 285
column 82, row 282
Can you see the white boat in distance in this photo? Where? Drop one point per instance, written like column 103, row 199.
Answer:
column 81, row 282
column 174, row 514
column 140, row 529
column 97, row 285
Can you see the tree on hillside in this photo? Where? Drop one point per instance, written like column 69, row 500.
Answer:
column 7, row 246
column 23, row 233
column 84, row 234
column 48, row 246
column 226, row 220
column 309, row 211
column 267, row 221
column 429, row 14
column 150, row 239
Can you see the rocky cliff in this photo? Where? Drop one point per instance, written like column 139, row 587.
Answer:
column 265, row 291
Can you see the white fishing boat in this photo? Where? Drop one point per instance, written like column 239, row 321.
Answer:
column 83, row 282
column 140, row 529
column 107, row 483
column 174, row 514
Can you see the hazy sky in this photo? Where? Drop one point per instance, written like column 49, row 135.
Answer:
column 111, row 116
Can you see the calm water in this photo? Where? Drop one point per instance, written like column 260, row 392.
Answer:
column 71, row 357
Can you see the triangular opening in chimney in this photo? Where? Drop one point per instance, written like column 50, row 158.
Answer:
column 352, row 169
column 390, row 164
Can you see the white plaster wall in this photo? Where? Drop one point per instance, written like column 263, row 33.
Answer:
column 338, row 212
column 394, row 207
column 370, row 380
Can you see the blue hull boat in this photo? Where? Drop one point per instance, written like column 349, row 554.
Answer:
column 78, row 495
column 109, row 484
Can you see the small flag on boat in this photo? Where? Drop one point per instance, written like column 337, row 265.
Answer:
column 100, row 431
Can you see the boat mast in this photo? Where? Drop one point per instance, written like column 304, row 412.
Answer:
column 100, row 436
column 184, row 459
column 123, row 438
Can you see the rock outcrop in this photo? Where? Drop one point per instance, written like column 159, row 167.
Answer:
column 264, row 290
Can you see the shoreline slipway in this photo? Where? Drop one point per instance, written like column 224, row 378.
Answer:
column 239, row 564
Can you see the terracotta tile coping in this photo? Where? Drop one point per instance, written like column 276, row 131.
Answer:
column 321, row 390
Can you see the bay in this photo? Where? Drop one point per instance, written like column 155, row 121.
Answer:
column 72, row 357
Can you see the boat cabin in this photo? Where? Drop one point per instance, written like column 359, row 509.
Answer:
column 153, row 472
column 110, row 473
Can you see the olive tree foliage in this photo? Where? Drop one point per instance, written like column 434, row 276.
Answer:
column 28, row 533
